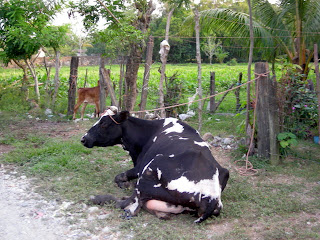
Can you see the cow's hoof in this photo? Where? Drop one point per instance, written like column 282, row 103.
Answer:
column 127, row 215
column 124, row 184
column 122, row 181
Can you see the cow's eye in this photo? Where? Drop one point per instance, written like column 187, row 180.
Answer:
column 104, row 124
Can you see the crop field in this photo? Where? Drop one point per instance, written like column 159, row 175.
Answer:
column 186, row 77
column 280, row 202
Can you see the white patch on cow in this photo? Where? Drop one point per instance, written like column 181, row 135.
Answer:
column 171, row 156
column 133, row 206
column 108, row 112
column 150, row 169
column 205, row 187
column 201, row 144
column 177, row 127
column 159, row 173
column 159, row 154
column 155, row 138
column 145, row 167
column 156, row 186
column 169, row 120
column 182, row 138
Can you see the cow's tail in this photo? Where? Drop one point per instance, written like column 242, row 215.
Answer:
column 210, row 209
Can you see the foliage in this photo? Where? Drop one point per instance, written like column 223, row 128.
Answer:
column 297, row 103
column 232, row 62
column 272, row 24
column 209, row 48
column 23, row 27
column 220, row 54
column 286, row 140
column 174, row 91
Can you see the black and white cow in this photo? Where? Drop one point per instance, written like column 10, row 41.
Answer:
column 174, row 167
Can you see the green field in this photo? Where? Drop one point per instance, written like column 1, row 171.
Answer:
column 187, row 76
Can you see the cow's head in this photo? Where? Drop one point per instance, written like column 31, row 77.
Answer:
column 106, row 131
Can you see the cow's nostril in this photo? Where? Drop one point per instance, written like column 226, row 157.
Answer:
column 83, row 140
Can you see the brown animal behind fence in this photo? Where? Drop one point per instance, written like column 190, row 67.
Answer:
column 91, row 96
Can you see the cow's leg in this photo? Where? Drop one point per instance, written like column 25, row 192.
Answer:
column 83, row 109
column 123, row 179
column 208, row 207
column 97, row 110
column 76, row 109
column 131, row 205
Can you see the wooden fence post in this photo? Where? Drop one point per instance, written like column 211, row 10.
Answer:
column 147, row 68
column 267, row 114
column 237, row 93
column 106, row 78
column 72, row 92
column 212, row 92
column 103, row 85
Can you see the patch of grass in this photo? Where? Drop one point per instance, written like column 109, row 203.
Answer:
column 64, row 169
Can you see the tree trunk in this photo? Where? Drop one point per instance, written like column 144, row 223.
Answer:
column 72, row 92
column 25, row 80
column 249, row 72
column 133, row 64
column 198, row 56
column 316, row 65
column 56, row 78
column 164, row 57
column 144, row 91
column 135, row 56
column 35, row 78
column 121, row 82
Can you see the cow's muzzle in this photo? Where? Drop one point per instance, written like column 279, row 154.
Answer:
column 86, row 141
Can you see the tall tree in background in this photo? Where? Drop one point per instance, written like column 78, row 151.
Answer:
column 144, row 9
column 23, row 31
column 171, row 6
column 58, row 37
column 288, row 28
column 126, row 24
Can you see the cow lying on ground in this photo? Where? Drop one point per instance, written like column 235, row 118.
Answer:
column 88, row 95
column 174, row 166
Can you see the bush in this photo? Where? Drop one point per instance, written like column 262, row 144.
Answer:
column 232, row 62
column 297, row 103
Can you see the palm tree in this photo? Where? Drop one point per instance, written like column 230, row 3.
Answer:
column 290, row 28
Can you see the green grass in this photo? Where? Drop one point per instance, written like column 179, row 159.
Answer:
column 64, row 169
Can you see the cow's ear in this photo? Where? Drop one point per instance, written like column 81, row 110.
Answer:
column 123, row 116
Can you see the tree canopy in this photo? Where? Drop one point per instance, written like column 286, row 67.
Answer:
column 24, row 28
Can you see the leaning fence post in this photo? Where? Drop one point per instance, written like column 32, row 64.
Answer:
column 267, row 114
